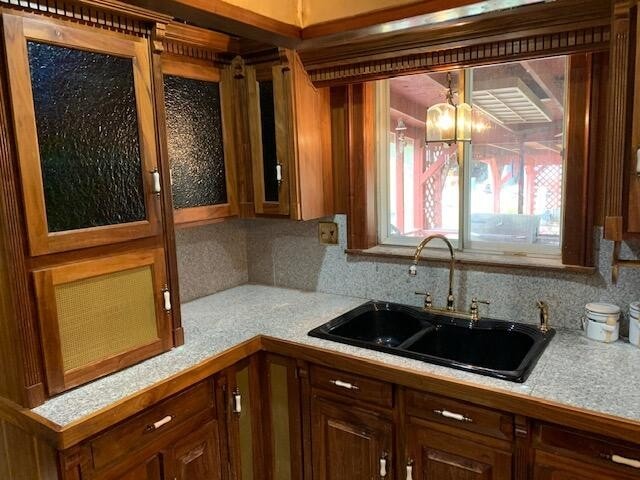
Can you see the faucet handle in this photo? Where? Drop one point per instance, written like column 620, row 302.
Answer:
column 428, row 301
column 474, row 310
column 544, row 315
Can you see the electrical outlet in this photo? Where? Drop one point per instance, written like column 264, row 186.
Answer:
column 328, row 233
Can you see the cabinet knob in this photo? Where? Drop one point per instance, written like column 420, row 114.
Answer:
column 166, row 296
column 279, row 173
column 155, row 177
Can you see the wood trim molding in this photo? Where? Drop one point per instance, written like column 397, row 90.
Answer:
column 486, row 52
column 109, row 14
column 617, row 122
column 199, row 43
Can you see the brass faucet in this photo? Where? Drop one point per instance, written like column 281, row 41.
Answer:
column 450, row 310
column 544, row 316
column 413, row 270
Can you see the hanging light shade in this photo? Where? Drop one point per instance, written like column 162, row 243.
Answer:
column 447, row 122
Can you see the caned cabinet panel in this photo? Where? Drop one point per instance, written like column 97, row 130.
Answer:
column 85, row 133
column 200, row 142
column 101, row 315
column 439, row 456
column 349, row 443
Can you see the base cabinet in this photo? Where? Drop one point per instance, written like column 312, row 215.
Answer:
column 555, row 467
column 349, row 443
column 435, row 455
column 197, row 457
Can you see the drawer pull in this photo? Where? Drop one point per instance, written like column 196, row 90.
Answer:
column 409, row 470
column 383, row 465
column 166, row 296
column 159, row 424
column 346, row 385
column 620, row 460
column 237, row 402
column 279, row 174
column 453, row 416
column 638, row 162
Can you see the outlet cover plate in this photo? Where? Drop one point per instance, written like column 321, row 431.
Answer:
column 328, row 233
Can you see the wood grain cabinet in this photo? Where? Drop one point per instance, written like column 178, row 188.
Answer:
column 198, row 105
column 85, row 133
column 290, row 138
column 449, row 439
column 562, row 453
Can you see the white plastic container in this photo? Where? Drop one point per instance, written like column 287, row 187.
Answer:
column 601, row 332
column 603, row 313
column 601, row 322
column 634, row 310
column 634, row 331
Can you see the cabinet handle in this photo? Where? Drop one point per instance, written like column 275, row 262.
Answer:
column 347, row 385
column 638, row 162
column 279, row 173
column 383, row 465
column 166, row 295
column 453, row 416
column 619, row 459
column 155, row 176
column 160, row 423
column 237, row 402
column 409, row 470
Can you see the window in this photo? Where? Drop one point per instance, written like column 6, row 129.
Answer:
column 503, row 192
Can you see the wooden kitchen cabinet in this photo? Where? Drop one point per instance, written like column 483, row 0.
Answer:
column 197, row 456
column 85, row 134
column 241, row 386
column 350, row 443
column 290, row 136
column 199, row 133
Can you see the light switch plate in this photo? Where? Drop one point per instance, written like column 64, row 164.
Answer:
column 328, row 233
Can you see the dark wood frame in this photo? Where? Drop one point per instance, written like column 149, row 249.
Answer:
column 19, row 28
column 203, row 70
column 45, row 282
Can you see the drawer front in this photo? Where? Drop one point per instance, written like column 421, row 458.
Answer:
column 352, row 386
column 151, row 424
column 460, row 414
column 588, row 448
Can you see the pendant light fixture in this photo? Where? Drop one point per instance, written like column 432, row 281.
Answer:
column 449, row 122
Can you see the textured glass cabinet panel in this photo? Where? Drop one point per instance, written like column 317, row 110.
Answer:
column 194, row 140
column 269, row 153
column 88, row 137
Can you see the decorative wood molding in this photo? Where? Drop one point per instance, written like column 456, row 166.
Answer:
column 109, row 14
column 433, row 59
column 617, row 124
column 199, row 43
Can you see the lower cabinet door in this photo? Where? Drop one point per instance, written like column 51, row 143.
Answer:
column 434, row 455
column 156, row 466
column 349, row 443
column 152, row 469
column 197, row 456
column 548, row 466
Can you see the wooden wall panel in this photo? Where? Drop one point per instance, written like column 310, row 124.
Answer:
column 362, row 229
column 339, row 148
column 24, row 457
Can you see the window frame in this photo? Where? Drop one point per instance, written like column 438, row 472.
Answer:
column 579, row 100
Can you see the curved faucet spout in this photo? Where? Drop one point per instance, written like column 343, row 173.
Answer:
column 420, row 247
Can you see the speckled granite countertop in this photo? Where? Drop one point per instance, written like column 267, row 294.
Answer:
column 572, row 371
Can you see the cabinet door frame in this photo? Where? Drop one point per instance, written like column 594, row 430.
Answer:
column 442, row 439
column 283, row 113
column 47, row 279
column 208, row 437
column 377, row 427
column 189, row 68
column 18, row 29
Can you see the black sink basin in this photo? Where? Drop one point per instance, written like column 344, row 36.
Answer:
column 381, row 327
column 496, row 348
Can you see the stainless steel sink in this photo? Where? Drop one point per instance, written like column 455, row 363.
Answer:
column 506, row 350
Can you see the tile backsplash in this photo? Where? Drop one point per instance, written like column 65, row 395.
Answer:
column 287, row 254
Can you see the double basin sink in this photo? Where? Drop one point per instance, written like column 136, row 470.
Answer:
column 496, row 348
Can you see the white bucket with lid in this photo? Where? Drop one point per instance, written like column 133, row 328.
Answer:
column 603, row 313
column 634, row 310
column 634, row 331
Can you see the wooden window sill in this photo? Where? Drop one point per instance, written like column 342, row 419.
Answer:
column 473, row 258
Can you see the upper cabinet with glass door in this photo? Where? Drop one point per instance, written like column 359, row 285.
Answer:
column 290, row 136
column 83, row 113
column 198, row 118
